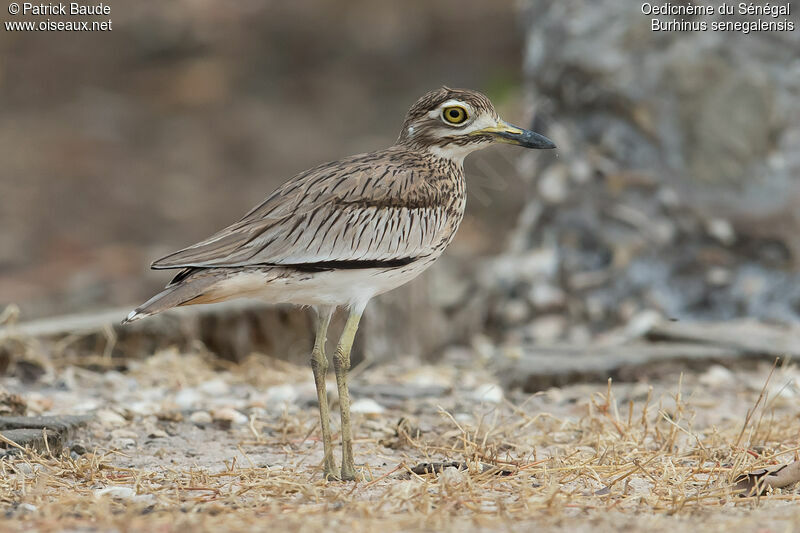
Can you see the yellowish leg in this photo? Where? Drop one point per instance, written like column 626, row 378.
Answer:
column 319, row 365
column 341, row 364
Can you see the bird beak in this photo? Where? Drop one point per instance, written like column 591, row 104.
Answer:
column 506, row 133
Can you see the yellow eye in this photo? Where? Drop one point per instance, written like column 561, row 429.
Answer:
column 454, row 114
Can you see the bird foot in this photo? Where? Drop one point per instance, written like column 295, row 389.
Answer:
column 348, row 474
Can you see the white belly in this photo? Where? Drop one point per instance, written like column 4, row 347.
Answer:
column 329, row 287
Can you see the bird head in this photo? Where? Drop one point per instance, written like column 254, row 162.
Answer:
column 451, row 123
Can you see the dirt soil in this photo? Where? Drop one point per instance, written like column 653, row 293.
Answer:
column 185, row 441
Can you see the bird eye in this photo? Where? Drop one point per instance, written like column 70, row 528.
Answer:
column 454, row 114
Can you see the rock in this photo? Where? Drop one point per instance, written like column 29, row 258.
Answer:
column 279, row 396
column 124, row 434
column 110, row 418
column 201, row 418
column 488, row 393
column 546, row 297
column 722, row 230
column 717, row 376
column 214, row 388
column 514, row 311
column 366, row 406
column 26, row 508
column 546, row 329
column 230, row 415
column 188, row 398
column 452, row 476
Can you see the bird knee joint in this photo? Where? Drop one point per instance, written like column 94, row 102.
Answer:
column 341, row 360
column 319, row 362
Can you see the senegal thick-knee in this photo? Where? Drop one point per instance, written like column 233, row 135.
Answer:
column 342, row 232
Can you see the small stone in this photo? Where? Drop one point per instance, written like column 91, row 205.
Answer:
column 143, row 408
column 452, row 476
column 366, row 406
column 280, row 395
column 108, row 417
column 547, row 328
column 230, row 415
column 26, row 508
column 154, row 432
column 188, row 398
column 641, row 323
column 544, row 296
column 722, row 230
column 580, row 171
column 515, row 312
column 78, row 449
column 215, row 387
column 488, row 393
column 27, row 469
column 719, row 276
column 717, row 376
column 201, row 418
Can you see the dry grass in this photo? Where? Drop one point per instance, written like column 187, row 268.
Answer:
column 655, row 456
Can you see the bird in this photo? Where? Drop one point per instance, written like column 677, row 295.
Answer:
column 336, row 235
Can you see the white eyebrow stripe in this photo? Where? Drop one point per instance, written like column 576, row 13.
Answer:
column 452, row 102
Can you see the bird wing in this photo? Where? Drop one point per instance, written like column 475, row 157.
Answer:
column 368, row 209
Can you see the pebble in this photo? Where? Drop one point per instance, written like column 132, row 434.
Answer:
column 215, row 387
column 488, row 393
column 201, row 418
column 642, row 322
column 515, row 311
column 280, row 395
column 154, row 432
column 27, row 469
column 143, row 407
column 547, row 328
column 124, row 434
column 451, row 476
column 25, row 508
column 107, row 417
column 229, row 414
column 717, row 376
column 188, row 398
column 719, row 276
column 367, row 406
column 546, row 296
column 722, row 230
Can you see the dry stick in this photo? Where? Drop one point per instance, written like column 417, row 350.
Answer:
column 758, row 401
column 387, row 474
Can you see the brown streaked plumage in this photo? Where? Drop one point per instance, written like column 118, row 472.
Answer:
column 342, row 232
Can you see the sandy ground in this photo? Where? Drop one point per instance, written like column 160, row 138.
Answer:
column 186, row 441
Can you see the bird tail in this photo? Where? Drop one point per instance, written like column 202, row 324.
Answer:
column 186, row 292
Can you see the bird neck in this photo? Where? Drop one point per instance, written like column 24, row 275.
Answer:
column 451, row 154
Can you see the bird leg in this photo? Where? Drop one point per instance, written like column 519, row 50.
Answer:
column 341, row 364
column 319, row 365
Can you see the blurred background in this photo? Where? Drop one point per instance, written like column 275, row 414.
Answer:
column 673, row 195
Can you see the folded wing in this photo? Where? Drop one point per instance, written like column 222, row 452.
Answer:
column 365, row 209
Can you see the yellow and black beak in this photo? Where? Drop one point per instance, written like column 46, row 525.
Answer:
column 506, row 133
